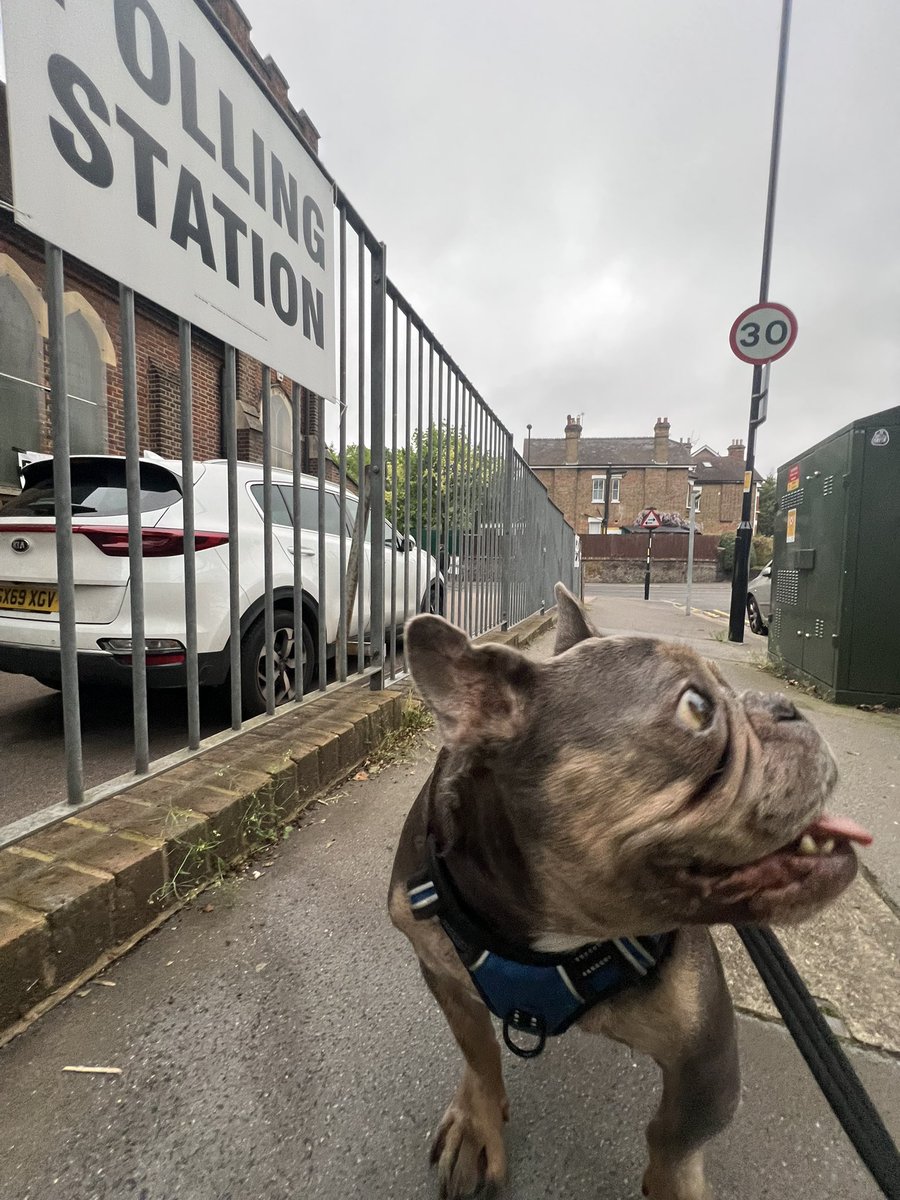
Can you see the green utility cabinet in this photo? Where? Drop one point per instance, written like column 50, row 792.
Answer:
column 835, row 616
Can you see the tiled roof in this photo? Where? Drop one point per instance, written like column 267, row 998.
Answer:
column 598, row 452
column 719, row 468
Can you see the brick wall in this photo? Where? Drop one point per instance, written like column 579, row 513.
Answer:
column 664, row 489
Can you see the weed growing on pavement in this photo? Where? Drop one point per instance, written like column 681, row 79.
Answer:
column 259, row 824
column 398, row 744
column 199, row 866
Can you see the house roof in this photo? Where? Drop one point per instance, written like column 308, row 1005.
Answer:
column 600, row 452
column 720, row 468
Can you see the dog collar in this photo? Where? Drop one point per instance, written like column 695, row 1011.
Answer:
column 537, row 994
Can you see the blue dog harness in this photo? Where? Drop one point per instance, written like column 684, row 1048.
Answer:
column 537, row 994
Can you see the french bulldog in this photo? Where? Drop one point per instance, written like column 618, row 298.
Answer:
column 619, row 789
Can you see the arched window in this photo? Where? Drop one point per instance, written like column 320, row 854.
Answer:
column 282, row 434
column 23, row 321
column 89, row 350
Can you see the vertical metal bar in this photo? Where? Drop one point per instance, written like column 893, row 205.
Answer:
column 448, row 477
column 268, row 566
column 62, row 492
column 379, row 304
column 506, row 564
column 432, row 544
column 393, row 630
column 692, row 521
column 190, row 550
column 420, row 444
column 297, row 534
column 480, row 534
column 135, row 542
column 229, row 417
column 439, row 548
column 458, row 451
column 322, row 652
column 495, row 486
column 343, row 617
column 406, row 480
column 469, row 480
column 363, row 474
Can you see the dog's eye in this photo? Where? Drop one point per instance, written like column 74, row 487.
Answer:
column 694, row 711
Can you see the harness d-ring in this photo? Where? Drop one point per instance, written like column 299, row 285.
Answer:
column 531, row 1026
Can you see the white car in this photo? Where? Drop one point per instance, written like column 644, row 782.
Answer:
column 29, row 598
column 759, row 601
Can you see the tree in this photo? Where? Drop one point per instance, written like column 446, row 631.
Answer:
column 459, row 476
column 765, row 521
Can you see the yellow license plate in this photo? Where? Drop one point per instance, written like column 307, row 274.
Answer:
column 29, row 597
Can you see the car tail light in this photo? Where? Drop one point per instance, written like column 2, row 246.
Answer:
column 156, row 543
column 160, row 652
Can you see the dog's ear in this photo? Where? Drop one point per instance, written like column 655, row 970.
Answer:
column 478, row 694
column 572, row 625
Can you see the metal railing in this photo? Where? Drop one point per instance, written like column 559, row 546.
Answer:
column 437, row 512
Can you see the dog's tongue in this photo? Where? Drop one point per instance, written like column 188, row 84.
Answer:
column 841, row 827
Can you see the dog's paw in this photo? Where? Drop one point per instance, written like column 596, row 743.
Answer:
column 469, row 1152
column 682, row 1182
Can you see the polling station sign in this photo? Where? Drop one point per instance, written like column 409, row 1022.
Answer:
column 141, row 145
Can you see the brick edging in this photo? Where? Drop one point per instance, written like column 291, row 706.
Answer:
column 78, row 895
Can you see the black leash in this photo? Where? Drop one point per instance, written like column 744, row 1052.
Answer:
column 826, row 1060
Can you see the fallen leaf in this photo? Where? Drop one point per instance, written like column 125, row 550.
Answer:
column 331, row 843
column 95, row 1070
column 261, row 966
column 255, row 874
column 84, row 992
column 104, row 982
column 361, row 776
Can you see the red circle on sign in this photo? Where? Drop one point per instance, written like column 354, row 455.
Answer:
column 778, row 350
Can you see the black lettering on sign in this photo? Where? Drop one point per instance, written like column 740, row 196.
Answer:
column 259, row 170
column 158, row 83
column 284, row 199
column 226, row 127
column 189, row 220
column 147, row 150
column 259, row 268
column 189, row 121
column 313, row 232
column 313, row 314
column 280, row 273
column 233, row 226
column 65, row 78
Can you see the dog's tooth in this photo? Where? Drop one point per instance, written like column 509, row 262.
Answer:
column 827, row 846
column 808, row 844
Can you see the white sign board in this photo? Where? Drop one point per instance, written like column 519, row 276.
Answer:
column 142, row 146
column 650, row 520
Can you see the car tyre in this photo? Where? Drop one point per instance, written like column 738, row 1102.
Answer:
column 253, row 661
column 755, row 617
column 434, row 600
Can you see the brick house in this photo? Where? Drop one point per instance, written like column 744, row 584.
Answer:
column 93, row 339
column 603, row 484
column 720, row 482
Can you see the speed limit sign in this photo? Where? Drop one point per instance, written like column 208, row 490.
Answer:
column 763, row 333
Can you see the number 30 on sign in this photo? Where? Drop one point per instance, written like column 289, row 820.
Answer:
column 763, row 333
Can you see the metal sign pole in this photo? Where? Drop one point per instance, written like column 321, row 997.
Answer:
column 692, row 500
column 647, row 566
column 757, row 410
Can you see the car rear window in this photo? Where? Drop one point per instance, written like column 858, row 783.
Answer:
column 98, row 489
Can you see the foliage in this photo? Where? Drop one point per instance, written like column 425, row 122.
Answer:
column 760, row 551
column 459, row 475
column 726, row 550
column 765, row 522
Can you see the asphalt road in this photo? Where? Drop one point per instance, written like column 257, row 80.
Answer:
column 284, row 1045
column 705, row 597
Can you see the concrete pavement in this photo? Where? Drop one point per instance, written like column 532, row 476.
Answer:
column 282, row 1044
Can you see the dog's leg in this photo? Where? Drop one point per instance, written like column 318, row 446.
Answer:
column 468, row 1146
column 687, row 1024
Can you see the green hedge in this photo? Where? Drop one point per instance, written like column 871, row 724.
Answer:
column 760, row 552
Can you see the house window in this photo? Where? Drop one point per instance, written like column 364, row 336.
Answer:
column 598, row 489
column 595, row 525
column 21, row 402
column 698, row 492
column 89, row 351
column 282, row 432
column 614, row 497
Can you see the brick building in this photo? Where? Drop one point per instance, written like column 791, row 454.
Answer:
column 603, row 484
column 93, row 339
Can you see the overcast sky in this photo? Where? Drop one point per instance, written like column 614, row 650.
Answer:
column 573, row 195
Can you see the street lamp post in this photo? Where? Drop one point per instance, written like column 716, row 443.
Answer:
column 528, row 446
column 760, row 386
column 692, row 521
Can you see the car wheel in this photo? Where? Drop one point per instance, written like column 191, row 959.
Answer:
column 755, row 617
column 253, row 661
column 434, row 601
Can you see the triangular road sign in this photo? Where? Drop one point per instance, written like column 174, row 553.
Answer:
column 650, row 520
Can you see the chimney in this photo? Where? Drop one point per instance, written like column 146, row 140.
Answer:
column 573, row 433
column 737, row 450
column 661, row 440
